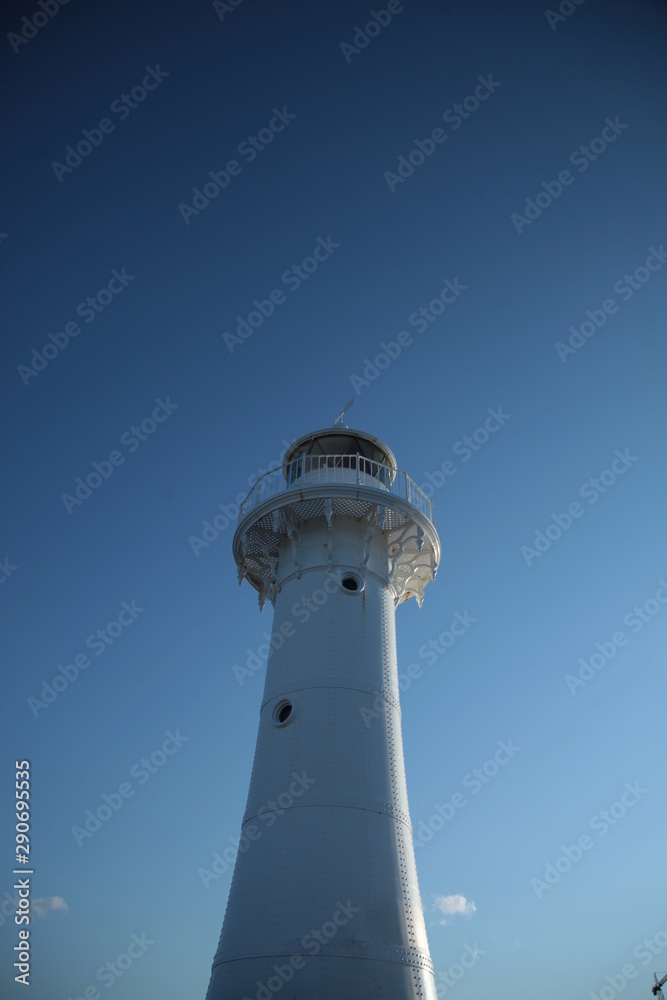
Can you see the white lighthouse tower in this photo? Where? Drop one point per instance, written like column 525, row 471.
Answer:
column 324, row 902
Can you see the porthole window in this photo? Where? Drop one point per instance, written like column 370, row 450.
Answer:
column 351, row 583
column 282, row 713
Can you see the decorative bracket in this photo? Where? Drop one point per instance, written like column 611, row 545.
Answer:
column 294, row 536
column 420, row 590
column 400, row 542
column 244, row 549
column 367, row 537
column 327, row 514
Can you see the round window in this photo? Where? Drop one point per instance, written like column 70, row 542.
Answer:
column 282, row 712
column 351, row 583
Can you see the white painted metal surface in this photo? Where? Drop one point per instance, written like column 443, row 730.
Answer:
column 324, row 902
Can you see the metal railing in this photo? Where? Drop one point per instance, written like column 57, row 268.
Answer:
column 313, row 470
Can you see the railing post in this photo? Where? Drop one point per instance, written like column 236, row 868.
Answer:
column 271, row 483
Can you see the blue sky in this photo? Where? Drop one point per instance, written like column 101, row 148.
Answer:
column 151, row 348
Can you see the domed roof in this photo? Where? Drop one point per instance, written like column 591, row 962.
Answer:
column 341, row 440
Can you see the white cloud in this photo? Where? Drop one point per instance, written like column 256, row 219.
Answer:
column 46, row 903
column 452, row 906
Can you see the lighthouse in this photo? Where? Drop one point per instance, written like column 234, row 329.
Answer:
column 324, row 902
